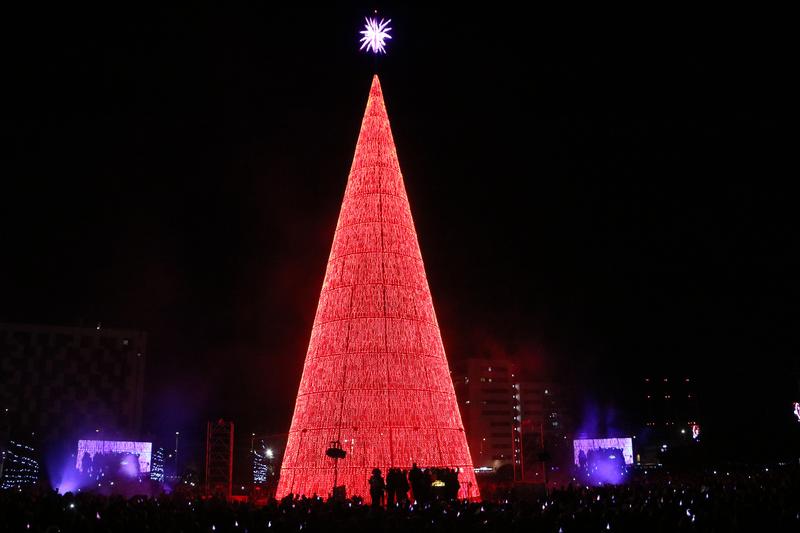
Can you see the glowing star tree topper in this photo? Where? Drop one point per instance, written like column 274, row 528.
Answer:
column 374, row 35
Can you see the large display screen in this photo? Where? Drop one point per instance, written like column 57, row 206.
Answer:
column 96, row 449
column 585, row 448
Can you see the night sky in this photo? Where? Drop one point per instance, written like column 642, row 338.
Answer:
column 603, row 205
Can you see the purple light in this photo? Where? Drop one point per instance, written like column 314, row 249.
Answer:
column 374, row 35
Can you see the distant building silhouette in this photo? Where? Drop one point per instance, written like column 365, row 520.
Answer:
column 671, row 415
column 505, row 415
column 671, row 401
column 62, row 382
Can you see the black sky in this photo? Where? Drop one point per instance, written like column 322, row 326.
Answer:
column 604, row 204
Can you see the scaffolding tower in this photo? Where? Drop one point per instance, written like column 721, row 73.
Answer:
column 219, row 459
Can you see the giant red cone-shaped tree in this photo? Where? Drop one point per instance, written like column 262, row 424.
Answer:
column 376, row 377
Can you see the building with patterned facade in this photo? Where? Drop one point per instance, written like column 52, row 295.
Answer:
column 486, row 396
column 19, row 465
column 508, row 418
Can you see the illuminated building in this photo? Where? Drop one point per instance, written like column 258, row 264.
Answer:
column 264, row 453
column 505, row 416
column 157, row 466
column 488, row 402
column 546, row 425
column 261, row 464
column 18, row 466
column 376, row 377
column 65, row 382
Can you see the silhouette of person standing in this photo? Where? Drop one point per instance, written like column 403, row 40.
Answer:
column 376, row 487
column 391, row 486
column 417, row 481
column 402, row 487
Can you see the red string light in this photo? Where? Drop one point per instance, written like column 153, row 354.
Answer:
column 376, row 376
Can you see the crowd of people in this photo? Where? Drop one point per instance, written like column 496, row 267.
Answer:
column 763, row 500
column 110, row 465
column 602, row 465
column 592, row 459
column 425, row 484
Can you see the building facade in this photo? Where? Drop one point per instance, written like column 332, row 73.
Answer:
column 671, row 402
column 509, row 420
column 490, row 410
column 672, row 420
column 19, row 466
column 546, row 427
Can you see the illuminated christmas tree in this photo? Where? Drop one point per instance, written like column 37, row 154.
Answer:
column 376, row 377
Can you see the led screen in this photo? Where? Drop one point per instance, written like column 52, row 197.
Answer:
column 586, row 445
column 142, row 450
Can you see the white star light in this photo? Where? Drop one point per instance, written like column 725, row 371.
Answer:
column 374, row 35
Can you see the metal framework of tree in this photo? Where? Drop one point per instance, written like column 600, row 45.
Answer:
column 376, row 376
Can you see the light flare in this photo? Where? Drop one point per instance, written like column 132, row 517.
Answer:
column 374, row 35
